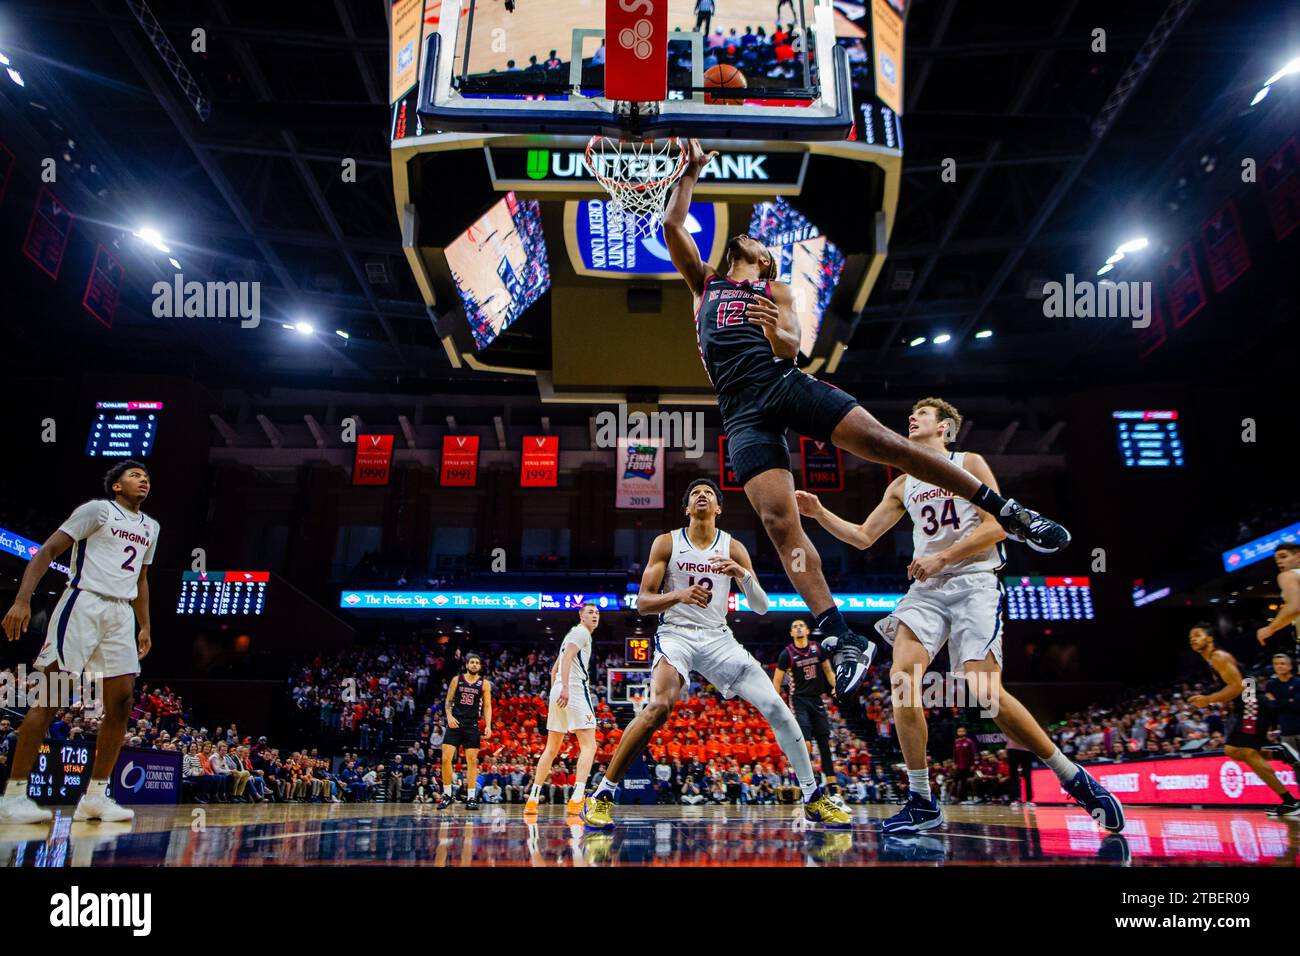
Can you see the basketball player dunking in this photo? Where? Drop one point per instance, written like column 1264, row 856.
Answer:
column 1287, row 558
column 1248, row 734
column 749, row 342
column 810, row 677
column 92, row 632
column 954, row 599
column 469, row 697
column 686, row 582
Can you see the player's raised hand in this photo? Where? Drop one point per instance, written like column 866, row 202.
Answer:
column 696, row 157
column 762, row 311
column 17, row 619
column 810, row 506
column 696, row 594
column 720, row 565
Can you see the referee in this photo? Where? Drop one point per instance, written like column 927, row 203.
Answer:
column 811, row 676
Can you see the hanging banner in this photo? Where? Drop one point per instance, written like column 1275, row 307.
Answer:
column 374, row 456
column 103, row 287
column 1182, row 282
column 727, row 479
column 539, row 464
column 636, row 56
column 459, row 461
column 1280, row 178
column 1155, row 334
column 48, row 232
column 640, row 481
column 822, row 467
column 1225, row 246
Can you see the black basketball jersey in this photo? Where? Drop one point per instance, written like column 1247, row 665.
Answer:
column 467, row 705
column 734, row 350
column 805, row 667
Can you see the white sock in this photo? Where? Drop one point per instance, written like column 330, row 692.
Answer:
column 535, row 793
column 808, row 789
column 97, row 788
column 446, row 788
column 605, row 786
column 1061, row 765
column 918, row 781
column 17, row 790
column 579, row 791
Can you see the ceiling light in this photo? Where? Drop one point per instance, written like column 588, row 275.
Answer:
column 1292, row 66
column 1259, row 97
column 1104, row 269
column 984, row 334
column 942, row 338
column 1133, row 245
column 919, row 340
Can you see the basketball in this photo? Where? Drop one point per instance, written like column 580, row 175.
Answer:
column 724, row 76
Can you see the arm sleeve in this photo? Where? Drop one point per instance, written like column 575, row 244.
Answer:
column 86, row 520
column 755, row 594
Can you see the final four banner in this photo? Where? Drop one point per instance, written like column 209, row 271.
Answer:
column 539, row 465
column 727, row 479
column 459, row 461
column 640, row 482
column 822, row 468
column 374, row 456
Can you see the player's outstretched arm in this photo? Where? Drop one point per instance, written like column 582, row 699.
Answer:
column 20, row 614
column 681, row 247
column 1290, row 610
column 862, row 536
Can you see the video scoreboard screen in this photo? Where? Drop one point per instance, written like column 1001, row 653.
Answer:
column 1048, row 599
column 223, row 592
column 123, row 429
column 1149, row 439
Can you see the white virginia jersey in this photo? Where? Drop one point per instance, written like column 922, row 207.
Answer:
column 689, row 565
column 580, row 637
column 111, row 546
column 940, row 519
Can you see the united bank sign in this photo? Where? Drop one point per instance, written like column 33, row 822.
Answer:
column 737, row 172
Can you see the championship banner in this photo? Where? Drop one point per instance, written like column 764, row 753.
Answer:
column 1210, row 781
column 48, row 232
column 636, row 54
column 1155, row 334
column 727, row 479
column 1281, row 181
column 822, row 468
column 103, row 287
column 539, row 463
column 887, row 54
column 459, row 461
column 640, row 482
column 374, row 455
column 1182, row 282
column 1225, row 246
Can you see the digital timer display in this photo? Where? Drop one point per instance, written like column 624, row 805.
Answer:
column 638, row 650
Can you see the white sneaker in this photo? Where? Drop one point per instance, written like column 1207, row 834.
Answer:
column 102, row 808
column 25, row 810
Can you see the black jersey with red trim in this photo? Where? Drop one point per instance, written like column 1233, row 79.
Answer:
column 735, row 352
column 804, row 665
column 467, row 705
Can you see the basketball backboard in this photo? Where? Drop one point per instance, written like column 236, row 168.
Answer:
column 511, row 66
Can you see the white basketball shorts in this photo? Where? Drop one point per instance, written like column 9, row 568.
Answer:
column 92, row 635
column 713, row 653
column 580, row 714
column 963, row 611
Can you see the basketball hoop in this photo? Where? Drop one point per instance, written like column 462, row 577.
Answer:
column 637, row 174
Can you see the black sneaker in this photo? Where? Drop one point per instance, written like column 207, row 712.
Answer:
column 1031, row 528
column 1289, row 807
column 852, row 655
column 446, row 801
column 471, row 803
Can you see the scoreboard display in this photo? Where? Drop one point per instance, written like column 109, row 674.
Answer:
column 62, row 771
column 123, row 429
column 227, row 593
column 1149, row 439
column 638, row 650
column 1048, row 599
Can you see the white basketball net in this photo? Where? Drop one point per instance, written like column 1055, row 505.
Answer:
column 637, row 175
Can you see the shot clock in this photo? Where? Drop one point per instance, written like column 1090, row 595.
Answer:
column 637, row 651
